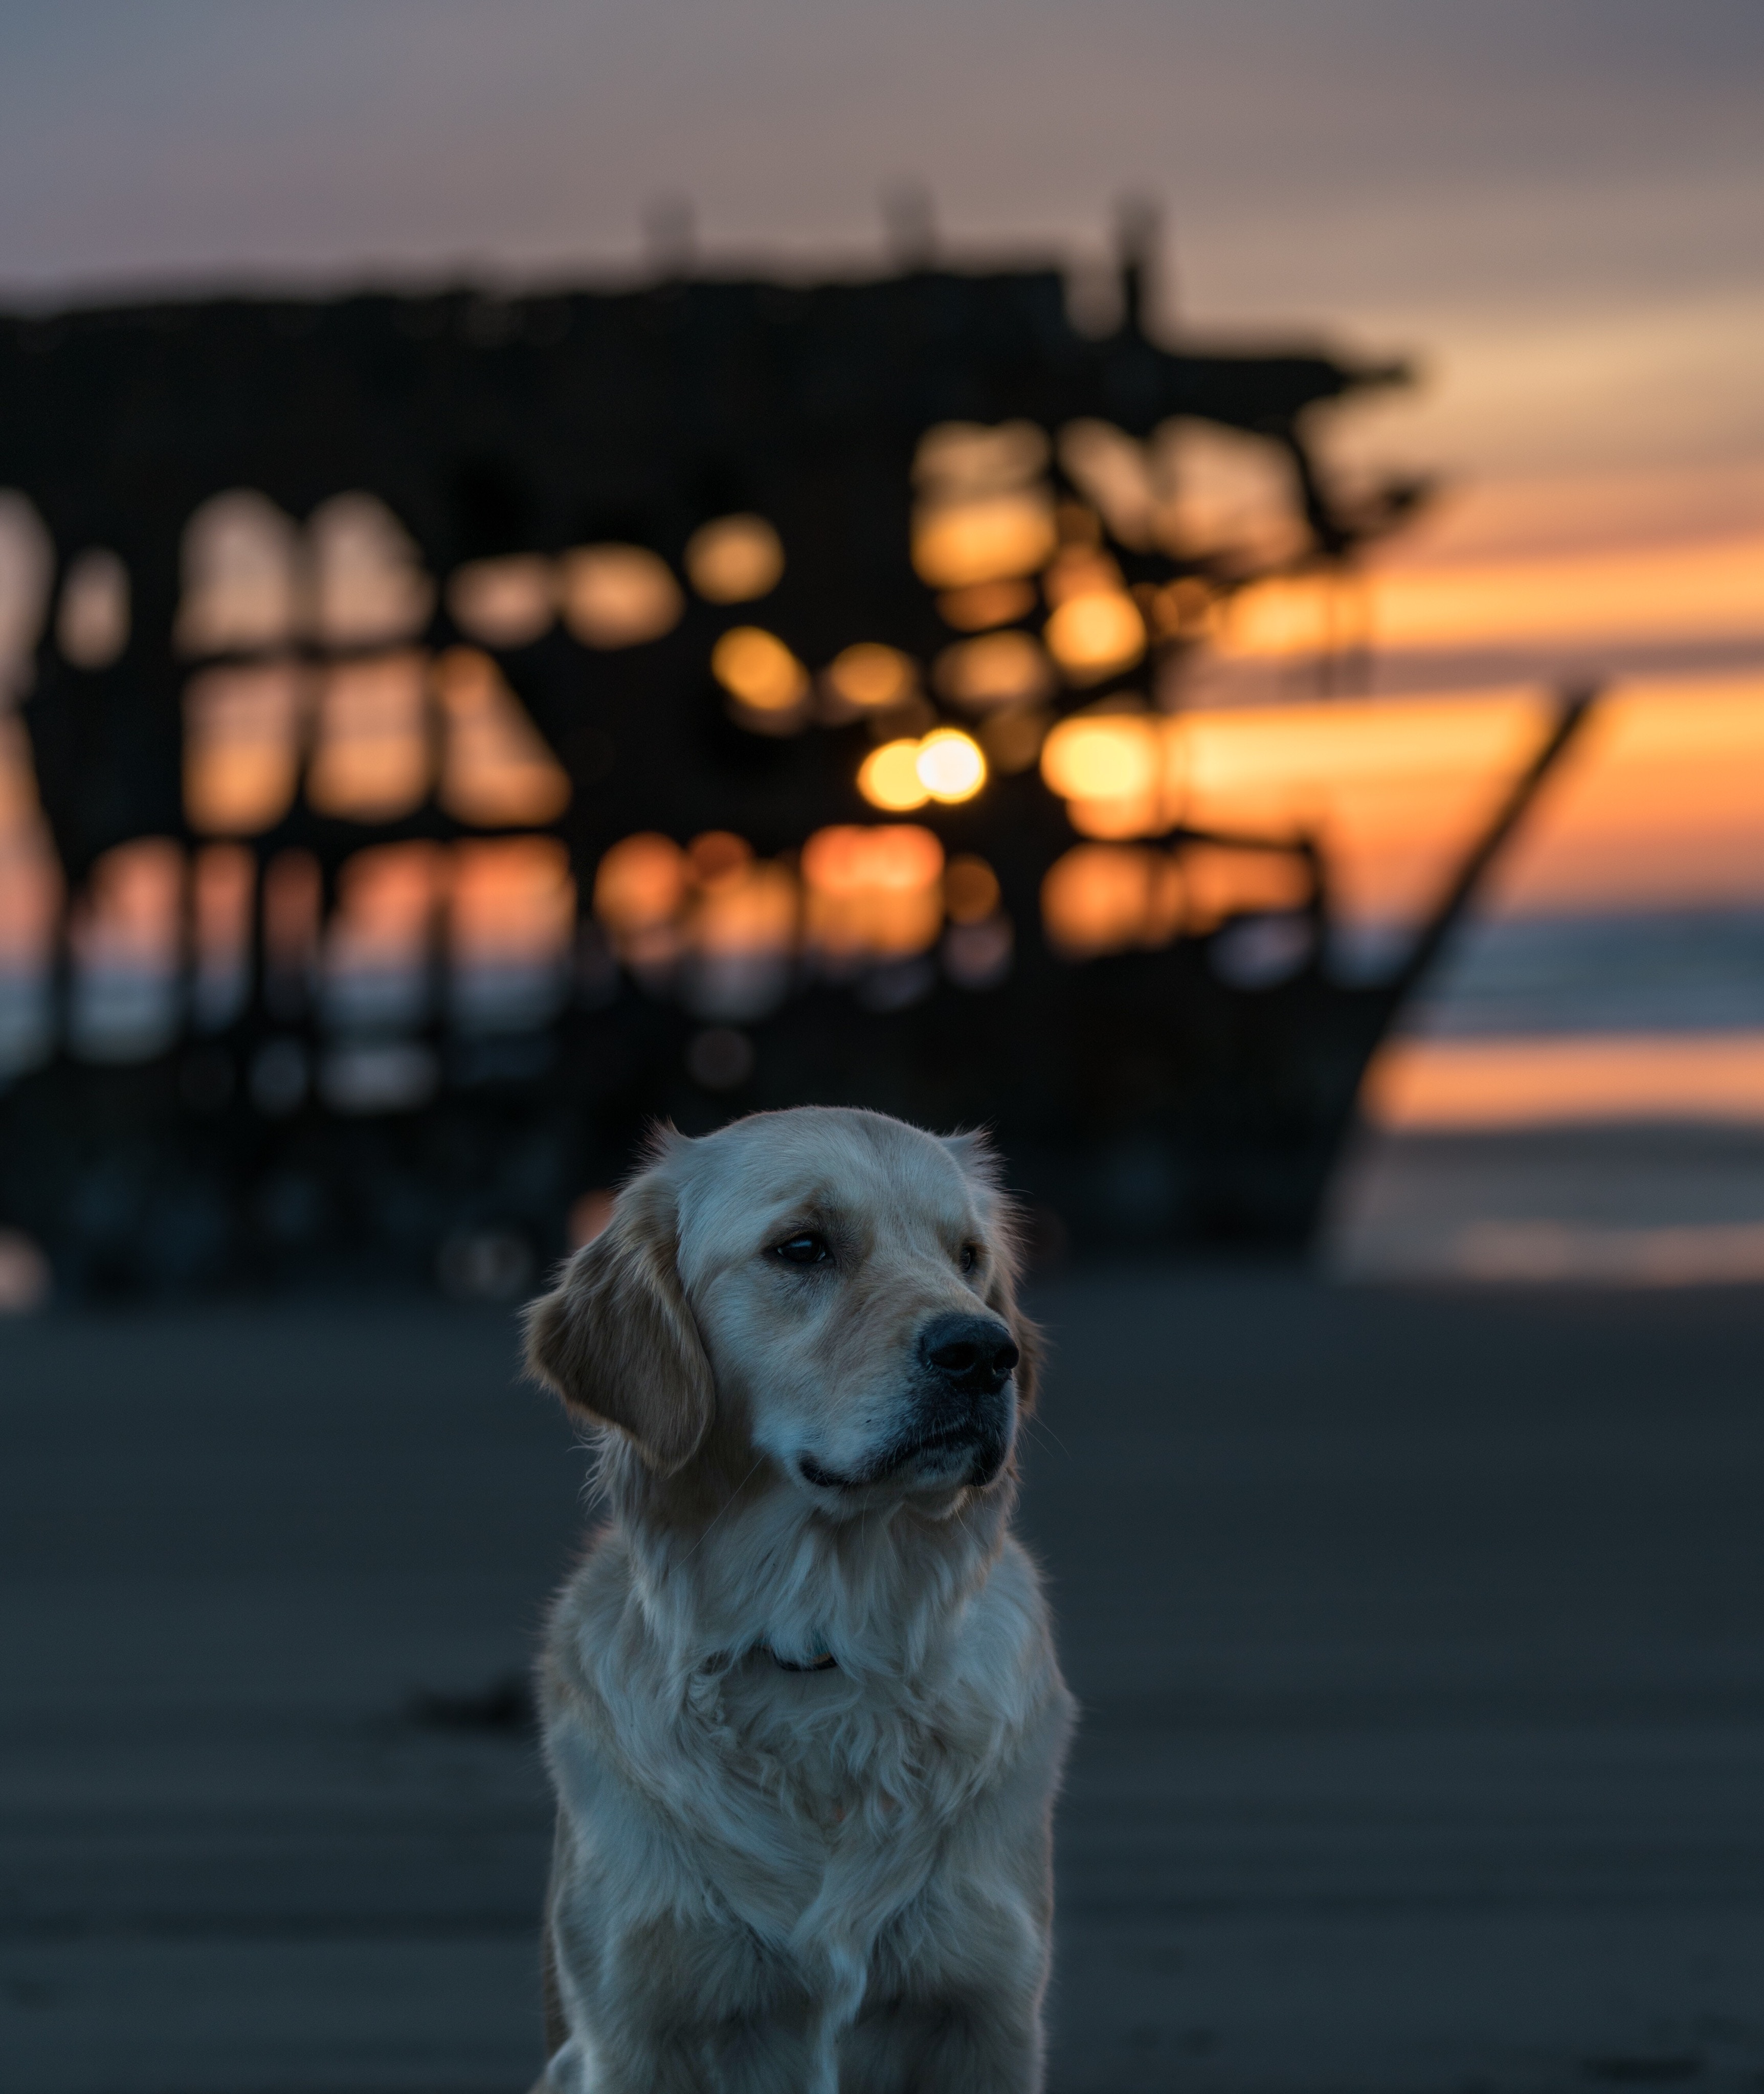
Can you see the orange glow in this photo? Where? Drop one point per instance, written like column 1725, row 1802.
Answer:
column 873, row 893
column 1661, row 803
column 986, row 603
column 994, row 538
column 1096, row 635
column 30, row 878
column 898, row 856
column 642, row 883
column 126, row 930
column 131, row 913
column 1108, row 897
column 719, row 856
column 243, row 583
column 950, row 765
column 1287, row 759
column 242, row 731
column 872, row 677
column 496, row 768
column 974, row 457
column 1477, row 1085
column 1115, row 471
column 757, row 669
column 92, row 621
column 618, row 596
column 222, row 891
column 1694, row 592
column 889, row 778
column 999, row 669
column 985, row 516
column 1108, row 761
column 27, row 564
column 293, row 893
column 1222, row 882
column 1185, row 607
column 1116, row 771
column 748, row 912
column 1394, row 790
column 1223, row 492
column 1579, row 510
column 505, row 603
column 969, row 889
column 511, row 899
column 1713, row 591
column 372, row 761
column 1290, row 617
column 1193, row 487
column 739, row 935
column 1081, row 570
column 735, row 559
column 369, row 587
column 20, row 809
column 589, row 1216
column 386, row 900
column 1118, row 819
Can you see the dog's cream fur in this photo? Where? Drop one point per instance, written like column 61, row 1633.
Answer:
column 828, row 1881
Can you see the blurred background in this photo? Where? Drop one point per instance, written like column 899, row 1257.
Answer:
column 1184, row 581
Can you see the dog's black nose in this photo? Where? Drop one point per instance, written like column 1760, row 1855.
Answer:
column 973, row 1353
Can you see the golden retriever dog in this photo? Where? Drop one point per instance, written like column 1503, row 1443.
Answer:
column 800, row 1703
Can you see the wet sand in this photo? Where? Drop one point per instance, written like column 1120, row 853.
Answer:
column 1420, row 1638
column 1654, row 1205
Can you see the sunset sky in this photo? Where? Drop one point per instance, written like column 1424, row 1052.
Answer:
column 1553, row 204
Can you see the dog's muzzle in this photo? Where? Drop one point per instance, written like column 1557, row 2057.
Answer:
column 962, row 1414
column 965, row 1403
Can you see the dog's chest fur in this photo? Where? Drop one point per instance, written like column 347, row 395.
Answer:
column 785, row 1794
column 850, row 1761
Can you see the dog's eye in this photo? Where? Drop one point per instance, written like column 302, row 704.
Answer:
column 969, row 1258
column 807, row 1249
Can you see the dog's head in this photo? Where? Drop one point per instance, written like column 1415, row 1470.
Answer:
column 835, row 1288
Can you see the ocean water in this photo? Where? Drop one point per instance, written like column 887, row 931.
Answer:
column 1622, row 1203
column 1699, row 970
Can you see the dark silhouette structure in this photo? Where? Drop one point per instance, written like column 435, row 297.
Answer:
column 1157, row 1093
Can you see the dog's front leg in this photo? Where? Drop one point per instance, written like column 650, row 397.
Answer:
column 665, row 2065
column 960, row 2014
column 667, row 2007
column 737, row 2061
column 985, row 2047
column 947, row 2046
column 626, row 2011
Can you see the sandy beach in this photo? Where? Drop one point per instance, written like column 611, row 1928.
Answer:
column 1416, row 1635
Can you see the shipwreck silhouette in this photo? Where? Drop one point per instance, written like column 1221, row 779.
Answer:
column 456, row 721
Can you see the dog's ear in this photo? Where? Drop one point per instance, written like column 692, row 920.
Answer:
column 616, row 1337
column 980, row 1164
